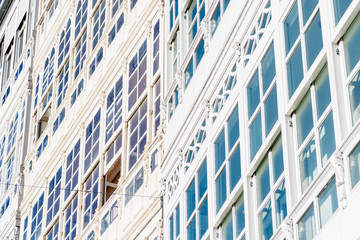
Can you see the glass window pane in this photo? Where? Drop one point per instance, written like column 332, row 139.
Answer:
column 322, row 90
column 306, row 225
column 351, row 44
column 295, row 71
column 220, row 190
column 354, row 90
column 328, row 202
column 177, row 223
column 240, row 216
column 227, row 227
column 340, row 7
column 219, row 150
column 313, row 40
column 308, row 7
column 354, row 162
column 308, row 165
column 233, row 128
column 291, row 28
column 263, row 181
column 327, row 139
column 203, row 218
column 271, row 111
column 202, row 180
column 304, row 119
column 191, row 230
column 278, row 159
column 255, row 136
column 199, row 52
column 215, row 20
column 280, row 204
column 265, row 222
column 253, row 93
column 235, row 168
column 268, row 68
column 190, row 199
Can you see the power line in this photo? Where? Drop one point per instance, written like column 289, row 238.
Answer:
column 82, row 191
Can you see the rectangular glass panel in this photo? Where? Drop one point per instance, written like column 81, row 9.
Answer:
column 202, row 180
column 291, row 28
column 240, row 216
column 235, row 168
column 271, row 111
column 219, row 150
column 354, row 90
column 308, row 165
column 190, row 199
column 351, row 44
column 295, row 71
column 268, row 68
column 262, row 181
column 278, row 159
column 280, row 203
column 227, row 227
column 306, row 225
column 220, row 190
column 340, row 7
column 328, row 202
column 233, row 128
column 253, row 92
column 327, row 139
column 354, row 162
column 304, row 119
column 313, row 40
column 308, row 7
column 255, row 136
column 203, row 218
column 265, row 222
column 322, row 91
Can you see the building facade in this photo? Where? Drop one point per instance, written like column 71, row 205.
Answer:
column 179, row 119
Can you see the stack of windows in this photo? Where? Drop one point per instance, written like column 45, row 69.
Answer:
column 175, row 224
column 80, row 54
column 64, row 44
column 71, row 216
column 48, row 71
column 63, row 84
column 53, row 204
column 218, row 15
column 91, row 196
column 12, row 133
column 92, row 141
column 156, row 102
column 54, row 231
column 156, row 47
column 36, row 221
column 115, row 6
column 72, row 170
column 99, row 23
column 233, row 226
column 81, row 16
column 114, row 111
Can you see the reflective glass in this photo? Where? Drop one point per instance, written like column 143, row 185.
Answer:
column 306, row 225
column 253, row 93
column 265, row 222
column 354, row 93
column 202, row 180
column 278, row 159
column 190, row 199
column 291, row 28
column 199, row 52
column 233, row 128
column 340, row 7
column 327, row 139
column 271, row 111
column 235, row 168
column 203, row 218
column 263, row 181
column 313, row 40
column 240, row 216
column 280, row 203
column 219, row 150
column 322, row 91
column 171, row 221
column 215, row 20
column 304, row 119
column 220, row 190
column 351, row 44
column 308, row 165
column 328, row 202
column 255, row 136
column 227, row 227
column 308, row 7
column 354, row 162
column 295, row 71
column 268, row 68
column 191, row 230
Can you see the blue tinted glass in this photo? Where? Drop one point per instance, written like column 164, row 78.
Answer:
column 190, row 199
column 202, row 178
column 354, row 162
column 240, row 216
column 291, row 28
column 219, row 150
column 328, row 202
column 308, row 165
column 233, row 128
column 268, row 68
column 177, row 227
column 265, row 218
column 304, row 118
column 191, row 230
column 271, row 111
column 215, row 20
column 327, row 139
column 278, row 160
column 313, row 40
column 322, row 90
column 253, row 93
column 295, row 71
column 235, row 168
column 199, row 52
column 308, row 7
column 306, row 225
column 227, row 227
column 255, row 136
column 263, row 181
column 340, row 7
column 354, row 93
column 171, row 222
column 189, row 73
column 220, row 190
column 203, row 218
column 280, row 203
column 351, row 44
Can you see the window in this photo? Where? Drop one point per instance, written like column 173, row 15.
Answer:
column 12, row 133
column 308, row 25
column 91, row 196
column 53, row 233
column 134, row 185
column 9, row 171
column 98, row 23
column 114, row 149
column 195, row 14
column 59, row 120
column 63, row 83
column 227, row 159
column 116, row 28
column 156, row 106
column 22, row 117
column 96, row 61
column 174, row 12
column 132, row 3
column 115, row 6
column 173, row 102
column 7, row 65
column 71, row 215
column 36, row 91
column 137, row 75
column 326, row 205
column 81, row 16
column 77, row 92
column 197, row 204
column 114, row 111
column 175, row 54
column 340, row 7
column 20, row 40
column 233, row 224
column 314, row 129
column 72, row 170
column 156, row 47
column 5, row 206
column 109, row 217
column 37, row 215
column 91, row 236
column 194, row 62
column 174, row 223
column 262, row 102
column 64, row 44
column 271, row 192
column 92, row 141
column 218, row 15
column 25, row 224
column 354, row 163
column 42, row 146
column 53, row 198
column 138, row 133
column 53, row 8
column 2, row 150
column 48, row 71
column 80, row 54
